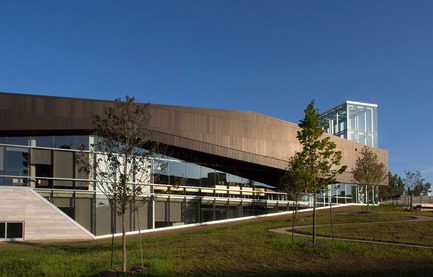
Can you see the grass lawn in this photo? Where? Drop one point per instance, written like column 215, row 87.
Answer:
column 242, row 249
column 418, row 233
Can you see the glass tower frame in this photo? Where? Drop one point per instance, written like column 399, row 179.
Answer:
column 354, row 121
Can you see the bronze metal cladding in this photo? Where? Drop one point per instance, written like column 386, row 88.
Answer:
column 252, row 142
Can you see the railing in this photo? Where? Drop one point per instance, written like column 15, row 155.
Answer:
column 219, row 191
column 245, row 192
column 404, row 200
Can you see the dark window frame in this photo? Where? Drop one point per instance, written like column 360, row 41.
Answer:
column 5, row 230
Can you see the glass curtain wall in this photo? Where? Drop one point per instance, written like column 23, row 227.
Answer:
column 362, row 125
column 357, row 122
column 353, row 121
column 34, row 161
column 344, row 194
column 40, row 160
column 48, row 164
column 335, row 121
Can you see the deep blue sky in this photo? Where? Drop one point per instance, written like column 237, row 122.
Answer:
column 271, row 57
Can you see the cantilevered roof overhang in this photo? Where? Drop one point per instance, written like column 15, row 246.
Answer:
column 247, row 143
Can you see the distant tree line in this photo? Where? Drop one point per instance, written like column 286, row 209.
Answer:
column 412, row 185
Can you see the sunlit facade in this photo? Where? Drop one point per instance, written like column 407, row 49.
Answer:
column 222, row 165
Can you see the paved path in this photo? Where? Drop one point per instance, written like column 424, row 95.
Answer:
column 288, row 230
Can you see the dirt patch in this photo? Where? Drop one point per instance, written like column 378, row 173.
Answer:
column 130, row 270
column 310, row 244
column 365, row 212
column 297, row 220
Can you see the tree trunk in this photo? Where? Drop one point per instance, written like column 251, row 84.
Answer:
column 332, row 221
column 124, row 209
column 293, row 224
column 123, row 243
column 314, row 218
column 411, row 198
column 296, row 210
column 366, row 198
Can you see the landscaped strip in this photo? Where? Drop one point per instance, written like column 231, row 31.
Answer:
column 241, row 249
column 417, row 233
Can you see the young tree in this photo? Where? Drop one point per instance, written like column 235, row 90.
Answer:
column 294, row 179
column 317, row 161
column 121, row 165
column 415, row 185
column 368, row 171
column 412, row 180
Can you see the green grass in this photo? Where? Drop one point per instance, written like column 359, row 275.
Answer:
column 402, row 210
column 243, row 249
column 418, row 233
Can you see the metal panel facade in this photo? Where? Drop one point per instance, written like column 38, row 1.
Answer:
column 253, row 140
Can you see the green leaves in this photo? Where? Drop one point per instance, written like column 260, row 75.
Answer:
column 415, row 184
column 122, row 153
column 368, row 171
column 318, row 159
column 316, row 166
column 119, row 163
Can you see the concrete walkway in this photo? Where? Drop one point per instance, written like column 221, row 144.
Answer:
column 288, row 230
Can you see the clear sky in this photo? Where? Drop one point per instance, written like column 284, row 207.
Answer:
column 271, row 57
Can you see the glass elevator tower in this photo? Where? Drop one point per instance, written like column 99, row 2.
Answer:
column 354, row 121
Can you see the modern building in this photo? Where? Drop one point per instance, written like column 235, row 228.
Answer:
column 231, row 162
column 357, row 122
column 354, row 121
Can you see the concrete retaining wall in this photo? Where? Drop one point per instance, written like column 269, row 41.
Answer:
column 42, row 220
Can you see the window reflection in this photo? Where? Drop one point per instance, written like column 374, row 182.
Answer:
column 192, row 174
column 176, row 172
column 17, row 161
column 160, row 173
column 81, row 143
column 41, row 161
column 207, row 177
column 64, row 142
column 18, row 140
column 43, row 141
column 361, row 118
column 2, row 160
column 48, row 168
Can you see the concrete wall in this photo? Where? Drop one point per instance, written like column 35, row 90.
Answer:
column 42, row 220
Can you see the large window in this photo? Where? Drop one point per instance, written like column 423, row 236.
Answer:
column 17, row 165
column 11, row 230
column 363, row 123
column 193, row 174
column 32, row 161
column 2, row 160
column 18, row 140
